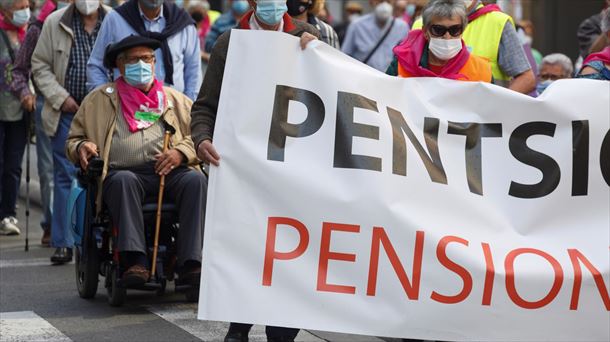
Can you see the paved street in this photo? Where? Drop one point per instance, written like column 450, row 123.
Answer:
column 39, row 302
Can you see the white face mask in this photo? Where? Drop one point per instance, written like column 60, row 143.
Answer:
column 383, row 11
column 445, row 49
column 353, row 17
column 467, row 3
column 86, row 7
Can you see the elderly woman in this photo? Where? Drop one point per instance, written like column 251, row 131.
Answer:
column 14, row 16
column 438, row 50
column 123, row 121
column 553, row 67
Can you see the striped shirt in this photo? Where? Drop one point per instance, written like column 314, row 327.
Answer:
column 76, row 73
column 129, row 149
column 327, row 33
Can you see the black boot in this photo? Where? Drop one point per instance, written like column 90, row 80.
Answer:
column 238, row 332
column 62, row 255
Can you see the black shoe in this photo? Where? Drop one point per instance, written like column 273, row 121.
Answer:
column 62, row 255
column 236, row 336
column 190, row 274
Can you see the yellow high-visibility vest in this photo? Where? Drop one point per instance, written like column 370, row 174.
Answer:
column 213, row 15
column 482, row 36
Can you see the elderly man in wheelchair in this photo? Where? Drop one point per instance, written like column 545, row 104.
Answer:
column 125, row 123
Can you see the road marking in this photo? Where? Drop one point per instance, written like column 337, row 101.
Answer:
column 25, row 262
column 26, row 326
column 185, row 317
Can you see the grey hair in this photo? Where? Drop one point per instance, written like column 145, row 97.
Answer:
column 7, row 4
column 444, row 9
column 606, row 21
column 195, row 4
column 559, row 58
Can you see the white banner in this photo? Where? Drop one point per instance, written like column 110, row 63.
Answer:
column 350, row 201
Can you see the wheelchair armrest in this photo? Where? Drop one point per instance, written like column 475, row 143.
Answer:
column 93, row 171
column 95, row 167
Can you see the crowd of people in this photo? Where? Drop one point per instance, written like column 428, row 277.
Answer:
column 96, row 80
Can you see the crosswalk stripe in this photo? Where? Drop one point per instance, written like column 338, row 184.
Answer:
column 25, row 262
column 185, row 317
column 26, row 326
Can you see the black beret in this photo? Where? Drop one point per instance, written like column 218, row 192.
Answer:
column 113, row 50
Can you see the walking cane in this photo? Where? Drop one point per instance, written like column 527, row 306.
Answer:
column 169, row 131
column 27, row 179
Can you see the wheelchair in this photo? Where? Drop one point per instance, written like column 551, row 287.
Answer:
column 95, row 252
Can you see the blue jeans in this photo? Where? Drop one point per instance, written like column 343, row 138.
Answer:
column 63, row 174
column 45, row 167
column 12, row 145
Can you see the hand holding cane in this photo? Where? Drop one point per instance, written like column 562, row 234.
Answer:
column 169, row 130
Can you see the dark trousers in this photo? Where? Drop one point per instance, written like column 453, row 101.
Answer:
column 12, row 145
column 273, row 333
column 125, row 190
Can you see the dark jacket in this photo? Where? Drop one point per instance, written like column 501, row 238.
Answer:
column 587, row 33
column 203, row 113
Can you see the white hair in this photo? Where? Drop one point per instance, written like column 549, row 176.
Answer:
column 195, row 4
column 560, row 59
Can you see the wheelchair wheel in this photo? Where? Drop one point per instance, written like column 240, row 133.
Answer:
column 116, row 293
column 87, row 273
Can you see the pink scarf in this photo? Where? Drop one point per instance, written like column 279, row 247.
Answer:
column 603, row 56
column 410, row 51
column 47, row 8
column 484, row 10
column 10, row 27
column 205, row 27
column 139, row 109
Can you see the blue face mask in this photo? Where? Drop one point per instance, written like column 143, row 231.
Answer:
column 271, row 12
column 138, row 74
column 541, row 87
column 411, row 10
column 21, row 17
column 240, row 7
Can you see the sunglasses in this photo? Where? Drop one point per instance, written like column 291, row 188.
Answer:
column 440, row 30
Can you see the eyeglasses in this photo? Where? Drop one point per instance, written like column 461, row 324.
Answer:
column 440, row 30
column 135, row 59
column 552, row 77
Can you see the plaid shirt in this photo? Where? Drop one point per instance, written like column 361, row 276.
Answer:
column 76, row 74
